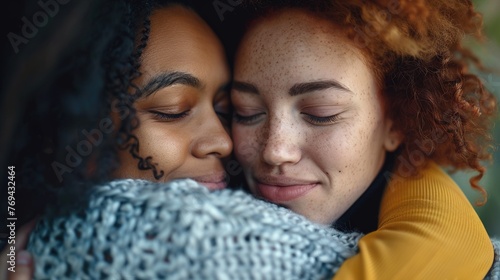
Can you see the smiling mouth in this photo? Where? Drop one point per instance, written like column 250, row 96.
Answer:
column 279, row 194
column 212, row 182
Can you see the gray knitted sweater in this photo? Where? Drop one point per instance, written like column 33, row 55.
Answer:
column 135, row 229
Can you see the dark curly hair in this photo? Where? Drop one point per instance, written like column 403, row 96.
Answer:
column 67, row 85
column 443, row 111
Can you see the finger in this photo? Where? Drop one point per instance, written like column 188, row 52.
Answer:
column 24, row 267
column 23, row 234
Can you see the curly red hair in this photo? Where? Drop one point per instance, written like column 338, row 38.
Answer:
column 443, row 111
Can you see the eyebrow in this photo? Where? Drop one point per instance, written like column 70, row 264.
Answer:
column 167, row 79
column 302, row 88
column 296, row 89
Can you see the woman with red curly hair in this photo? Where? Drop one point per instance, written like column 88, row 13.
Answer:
column 344, row 112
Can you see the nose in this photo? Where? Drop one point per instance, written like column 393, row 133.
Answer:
column 213, row 139
column 280, row 146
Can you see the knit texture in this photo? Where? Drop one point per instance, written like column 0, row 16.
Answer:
column 494, row 273
column 135, row 229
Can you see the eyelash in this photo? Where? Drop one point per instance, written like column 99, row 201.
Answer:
column 245, row 119
column 315, row 120
column 169, row 117
column 322, row 120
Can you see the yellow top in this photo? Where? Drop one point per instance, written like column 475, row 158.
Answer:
column 427, row 230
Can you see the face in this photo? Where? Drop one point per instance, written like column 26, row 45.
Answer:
column 184, row 79
column 309, row 128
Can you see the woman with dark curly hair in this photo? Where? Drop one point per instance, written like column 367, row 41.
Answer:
column 111, row 86
column 344, row 111
column 141, row 93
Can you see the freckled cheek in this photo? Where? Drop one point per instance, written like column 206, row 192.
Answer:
column 356, row 154
column 341, row 150
column 343, row 138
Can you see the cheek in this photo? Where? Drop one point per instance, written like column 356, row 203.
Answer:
column 346, row 148
column 167, row 146
column 360, row 153
column 332, row 148
column 245, row 142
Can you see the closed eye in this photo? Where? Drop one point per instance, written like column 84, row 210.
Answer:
column 169, row 117
column 316, row 120
column 247, row 120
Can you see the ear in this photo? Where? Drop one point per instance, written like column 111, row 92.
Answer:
column 393, row 138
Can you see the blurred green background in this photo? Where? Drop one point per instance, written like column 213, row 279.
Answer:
column 489, row 52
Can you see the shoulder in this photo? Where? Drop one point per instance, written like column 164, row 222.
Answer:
column 428, row 213
column 430, row 183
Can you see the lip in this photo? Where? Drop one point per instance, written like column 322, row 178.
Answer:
column 278, row 190
column 213, row 181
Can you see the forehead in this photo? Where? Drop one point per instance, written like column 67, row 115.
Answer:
column 180, row 28
column 298, row 30
column 294, row 45
column 293, row 37
column 175, row 20
column 180, row 40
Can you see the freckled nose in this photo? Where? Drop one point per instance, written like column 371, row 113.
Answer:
column 280, row 145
